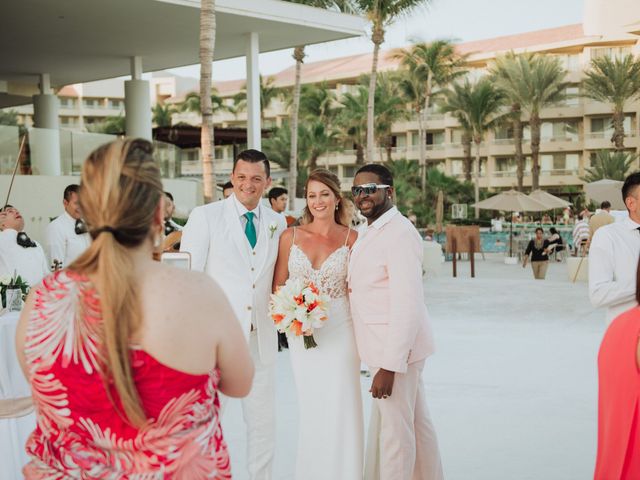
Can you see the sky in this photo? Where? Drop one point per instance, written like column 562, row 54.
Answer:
column 461, row 20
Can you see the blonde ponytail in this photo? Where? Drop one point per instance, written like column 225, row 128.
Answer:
column 119, row 192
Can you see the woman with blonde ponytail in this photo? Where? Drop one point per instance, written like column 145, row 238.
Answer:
column 124, row 356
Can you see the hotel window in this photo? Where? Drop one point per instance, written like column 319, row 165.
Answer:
column 613, row 52
column 559, row 162
column 116, row 104
column 67, row 102
column 506, row 164
column 456, row 135
column 435, row 138
column 504, row 133
column 570, row 62
column 401, row 141
column 334, row 169
column 349, row 170
column 603, row 125
column 457, row 167
column 91, row 103
column 572, row 97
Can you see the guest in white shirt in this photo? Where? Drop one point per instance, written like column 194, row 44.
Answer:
column 613, row 256
column 67, row 236
column 18, row 253
column 169, row 208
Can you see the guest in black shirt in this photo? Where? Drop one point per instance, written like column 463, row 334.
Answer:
column 555, row 243
column 538, row 248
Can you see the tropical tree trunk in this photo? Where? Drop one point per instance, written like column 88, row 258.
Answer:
column 618, row 129
column 517, row 140
column 298, row 55
column 423, row 157
column 377, row 37
column 388, row 147
column 535, row 151
column 421, row 142
column 359, row 154
column 207, row 45
column 476, row 177
column 466, row 151
column 313, row 163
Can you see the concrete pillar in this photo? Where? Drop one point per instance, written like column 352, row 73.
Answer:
column 137, row 103
column 254, row 127
column 44, row 139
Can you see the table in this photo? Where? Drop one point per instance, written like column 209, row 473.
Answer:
column 13, row 431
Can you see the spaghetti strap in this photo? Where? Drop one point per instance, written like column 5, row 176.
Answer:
column 293, row 240
column 346, row 240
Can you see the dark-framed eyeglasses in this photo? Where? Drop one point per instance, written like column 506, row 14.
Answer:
column 367, row 189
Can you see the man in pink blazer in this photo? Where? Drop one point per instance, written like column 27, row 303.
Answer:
column 392, row 333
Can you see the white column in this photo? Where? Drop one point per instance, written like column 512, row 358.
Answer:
column 137, row 103
column 254, row 127
column 44, row 139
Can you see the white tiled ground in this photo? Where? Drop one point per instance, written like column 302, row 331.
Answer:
column 512, row 388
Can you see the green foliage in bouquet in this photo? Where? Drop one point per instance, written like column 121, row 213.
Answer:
column 12, row 282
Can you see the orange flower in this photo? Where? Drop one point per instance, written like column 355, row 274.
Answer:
column 299, row 299
column 277, row 318
column 314, row 289
column 296, row 328
column 312, row 306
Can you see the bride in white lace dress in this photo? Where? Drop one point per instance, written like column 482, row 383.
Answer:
column 330, row 436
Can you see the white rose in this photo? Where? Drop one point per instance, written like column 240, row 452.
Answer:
column 5, row 280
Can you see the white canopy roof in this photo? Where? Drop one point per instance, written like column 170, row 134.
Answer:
column 78, row 41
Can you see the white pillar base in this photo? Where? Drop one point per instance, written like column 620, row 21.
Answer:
column 44, row 139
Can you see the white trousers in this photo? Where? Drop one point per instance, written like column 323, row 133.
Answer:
column 259, row 411
column 402, row 443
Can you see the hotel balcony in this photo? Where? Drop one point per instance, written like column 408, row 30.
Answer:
column 602, row 140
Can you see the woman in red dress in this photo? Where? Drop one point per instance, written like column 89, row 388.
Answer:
column 125, row 355
column 619, row 398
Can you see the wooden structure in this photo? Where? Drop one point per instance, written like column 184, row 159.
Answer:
column 463, row 239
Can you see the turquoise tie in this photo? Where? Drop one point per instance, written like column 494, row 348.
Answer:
column 250, row 229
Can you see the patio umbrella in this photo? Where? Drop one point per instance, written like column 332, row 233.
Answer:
column 439, row 211
column 512, row 201
column 550, row 201
column 606, row 189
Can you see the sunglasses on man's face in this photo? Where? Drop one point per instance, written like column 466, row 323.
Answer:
column 366, row 189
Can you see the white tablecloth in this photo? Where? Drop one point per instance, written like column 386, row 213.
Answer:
column 13, row 432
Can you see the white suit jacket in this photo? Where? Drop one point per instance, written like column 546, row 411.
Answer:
column 30, row 263
column 63, row 243
column 390, row 317
column 215, row 238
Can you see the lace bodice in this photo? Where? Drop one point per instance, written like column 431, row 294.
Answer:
column 330, row 278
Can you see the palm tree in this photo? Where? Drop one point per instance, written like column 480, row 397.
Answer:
column 615, row 81
column 507, row 75
column 207, row 46
column 389, row 108
column 429, row 66
column 381, row 13
column 610, row 165
column 110, row 125
column 298, row 56
column 318, row 101
column 268, row 93
column 352, row 120
column 535, row 82
column 317, row 139
column 477, row 107
column 191, row 102
column 161, row 114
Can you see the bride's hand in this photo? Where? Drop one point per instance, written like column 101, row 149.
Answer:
column 382, row 384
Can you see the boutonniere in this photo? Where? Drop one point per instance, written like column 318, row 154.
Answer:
column 273, row 226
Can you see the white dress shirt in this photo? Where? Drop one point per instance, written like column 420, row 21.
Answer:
column 241, row 209
column 613, row 263
column 30, row 263
column 63, row 243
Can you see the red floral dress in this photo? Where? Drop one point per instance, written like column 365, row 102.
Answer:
column 79, row 432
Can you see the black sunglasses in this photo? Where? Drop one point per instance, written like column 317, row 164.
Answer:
column 366, row 189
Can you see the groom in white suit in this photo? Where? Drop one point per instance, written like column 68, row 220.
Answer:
column 235, row 241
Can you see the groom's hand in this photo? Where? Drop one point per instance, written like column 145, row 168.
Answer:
column 382, row 384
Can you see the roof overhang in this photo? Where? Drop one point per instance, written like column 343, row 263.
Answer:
column 77, row 41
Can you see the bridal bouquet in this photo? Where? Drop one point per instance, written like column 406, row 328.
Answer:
column 298, row 308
